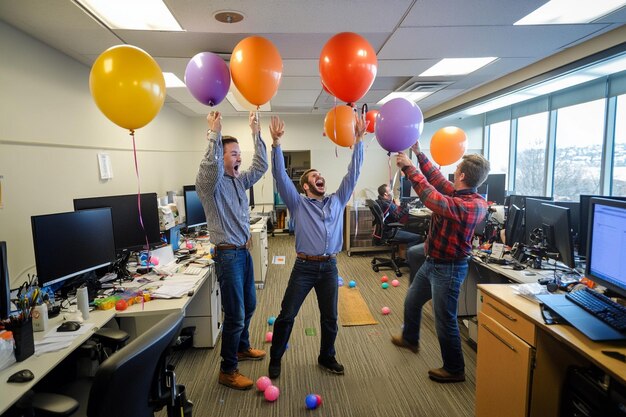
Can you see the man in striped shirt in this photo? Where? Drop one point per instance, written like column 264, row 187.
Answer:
column 221, row 186
column 457, row 209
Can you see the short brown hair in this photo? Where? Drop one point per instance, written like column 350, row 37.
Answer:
column 476, row 168
column 382, row 190
column 305, row 177
column 228, row 139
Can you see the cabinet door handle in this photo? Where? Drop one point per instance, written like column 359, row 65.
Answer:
column 507, row 344
column 504, row 313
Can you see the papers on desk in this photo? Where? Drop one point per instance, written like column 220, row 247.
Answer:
column 53, row 340
column 420, row 211
column 174, row 287
column 530, row 291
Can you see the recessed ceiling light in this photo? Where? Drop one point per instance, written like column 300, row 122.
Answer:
column 407, row 95
column 557, row 12
column 456, row 66
column 133, row 15
column 229, row 16
column 172, row 81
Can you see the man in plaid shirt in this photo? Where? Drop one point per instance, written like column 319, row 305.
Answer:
column 457, row 209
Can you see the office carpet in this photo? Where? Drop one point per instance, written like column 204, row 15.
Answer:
column 380, row 379
column 352, row 308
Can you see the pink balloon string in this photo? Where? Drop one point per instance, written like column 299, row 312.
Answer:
column 132, row 134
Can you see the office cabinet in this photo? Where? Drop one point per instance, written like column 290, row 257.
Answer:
column 505, row 358
column 205, row 312
column 357, row 229
column 258, row 251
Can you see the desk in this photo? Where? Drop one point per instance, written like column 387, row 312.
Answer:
column 522, row 362
column 135, row 320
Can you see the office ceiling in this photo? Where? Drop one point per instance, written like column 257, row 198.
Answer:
column 409, row 37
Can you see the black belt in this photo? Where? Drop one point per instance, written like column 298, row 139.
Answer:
column 316, row 258
column 226, row 246
column 446, row 261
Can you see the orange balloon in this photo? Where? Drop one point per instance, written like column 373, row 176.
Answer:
column 348, row 66
column 256, row 68
column 448, row 145
column 370, row 116
column 339, row 125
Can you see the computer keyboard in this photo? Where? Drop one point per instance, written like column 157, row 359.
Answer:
column 194, row 270
column 600, row 306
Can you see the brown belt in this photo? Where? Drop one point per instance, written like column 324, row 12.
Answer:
column 316, row 258
column 227, row 246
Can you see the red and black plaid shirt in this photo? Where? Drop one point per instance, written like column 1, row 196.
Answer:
column 455, row 213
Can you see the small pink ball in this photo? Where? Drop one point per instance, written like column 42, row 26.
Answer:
column 384, row 278
column 385, row 310
column 268, row 336
column 262, row 383
column 395, row 282
column 154, row 260
column 271, row 393
column 189, row 245
column 319, row 399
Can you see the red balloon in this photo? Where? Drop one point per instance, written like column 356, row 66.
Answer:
column 348, row 66
column 370, row 116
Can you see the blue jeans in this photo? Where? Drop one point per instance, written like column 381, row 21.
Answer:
column 235, row 274
column 411, row 239
column 440, row 282
column 307, row 275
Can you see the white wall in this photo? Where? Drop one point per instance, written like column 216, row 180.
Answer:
column 51, row 132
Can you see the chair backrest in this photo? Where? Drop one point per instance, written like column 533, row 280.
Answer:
column 378, row 223
column 123, row 385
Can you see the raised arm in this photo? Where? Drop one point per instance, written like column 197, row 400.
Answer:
column 354, row 169
column 431, row 172
column 286, row 189
column 212, row 165
column 259, row 161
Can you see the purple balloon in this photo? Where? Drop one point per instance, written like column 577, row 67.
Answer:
column 207, row 77
column 399, row 124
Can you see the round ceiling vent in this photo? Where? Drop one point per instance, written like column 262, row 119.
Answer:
column 228, row 17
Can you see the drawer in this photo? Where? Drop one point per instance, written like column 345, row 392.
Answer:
column 509, row 319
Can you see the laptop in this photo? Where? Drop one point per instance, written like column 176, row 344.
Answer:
column 589, row 325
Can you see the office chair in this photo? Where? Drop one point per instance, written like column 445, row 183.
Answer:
column 383, row 235
column 130, row 383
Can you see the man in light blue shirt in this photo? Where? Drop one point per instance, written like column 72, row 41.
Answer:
column 319, row 230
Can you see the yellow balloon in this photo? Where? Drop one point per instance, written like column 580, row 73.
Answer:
column 128, row 86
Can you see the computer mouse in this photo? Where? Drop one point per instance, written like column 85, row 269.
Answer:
column 24, row 375
column 68, row 326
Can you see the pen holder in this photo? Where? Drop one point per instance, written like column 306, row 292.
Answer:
column 24, row 340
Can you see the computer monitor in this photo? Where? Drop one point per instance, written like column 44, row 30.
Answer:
column 128, row 231
column 405, row 189
column 5, row 292
column 607, row 244
column 556, row 228
column 532, row 217
column 574, row 216
column 497, row 187
column 513, row 231
column 193, row 207
column 520, row 200
column 584, row 218
column 70, row 244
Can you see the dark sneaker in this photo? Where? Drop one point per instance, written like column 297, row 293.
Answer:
column 443, row 376
column 235, row 380
column 399, row 341
column 273, row 370
column 251, row 355
column 330, row 364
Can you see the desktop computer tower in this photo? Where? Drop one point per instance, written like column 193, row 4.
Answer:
column 589, row 393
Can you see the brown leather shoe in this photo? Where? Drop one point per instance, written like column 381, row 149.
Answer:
column 235, row 380
column 399, row 341
column 251, row 354
column 443, row 376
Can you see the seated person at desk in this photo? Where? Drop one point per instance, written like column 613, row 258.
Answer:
column 392, row 213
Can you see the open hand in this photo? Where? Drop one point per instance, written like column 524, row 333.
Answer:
column 277, row 129
column 254, row 123
column 214, row 120
column 360, row 127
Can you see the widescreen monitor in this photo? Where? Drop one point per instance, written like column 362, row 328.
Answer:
column 194, row 211
column 127, row 225
column 607, row 244
column 584, row 218
column 5, row 292
column 574, row 216
column 70, row 244
column 556, row 229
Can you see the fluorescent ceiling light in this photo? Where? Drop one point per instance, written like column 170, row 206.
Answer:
column 133, row 14
column 456, row 66
column 407, row 95
column 172, row 81
column 557, row 12
column 233, row 101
